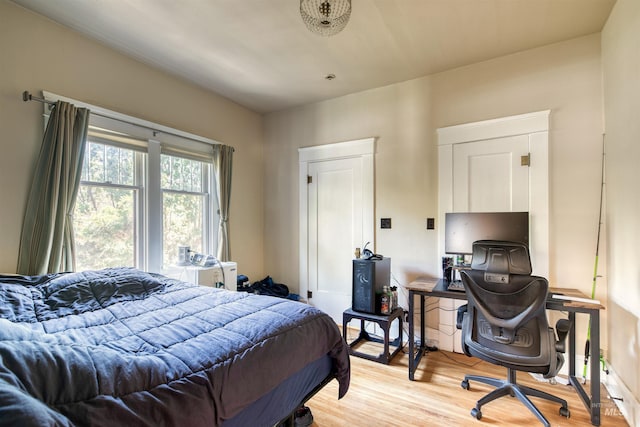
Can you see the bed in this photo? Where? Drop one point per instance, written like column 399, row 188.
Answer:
column 125, row 347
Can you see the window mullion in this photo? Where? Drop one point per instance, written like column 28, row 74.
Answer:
column 212, row 215
column 154, row 209
column 140, row 208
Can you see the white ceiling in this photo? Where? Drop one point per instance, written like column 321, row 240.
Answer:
column 260, row 54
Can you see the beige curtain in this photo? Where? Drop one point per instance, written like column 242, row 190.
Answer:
column 222, row 167
column 46, row 242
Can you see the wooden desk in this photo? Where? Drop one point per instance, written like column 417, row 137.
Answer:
column 431, row 287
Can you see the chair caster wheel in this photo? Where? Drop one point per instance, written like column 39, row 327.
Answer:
column 565, row 412
column 465, row 384
column 476, row 413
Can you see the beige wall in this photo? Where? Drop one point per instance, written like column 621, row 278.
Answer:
column 37, row 54
column 621, row 71
column 405, row 172
column 565, row 78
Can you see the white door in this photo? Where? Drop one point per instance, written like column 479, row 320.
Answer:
column 336, row 217
column 488, row 176
column 335, row 230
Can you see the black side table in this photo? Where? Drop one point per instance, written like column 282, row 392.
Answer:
column 384, row 320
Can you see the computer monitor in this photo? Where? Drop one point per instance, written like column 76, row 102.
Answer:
column 464, row 228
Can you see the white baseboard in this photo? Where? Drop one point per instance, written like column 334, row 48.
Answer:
column 626, row 405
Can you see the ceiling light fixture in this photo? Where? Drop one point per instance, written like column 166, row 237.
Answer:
column 325, row 17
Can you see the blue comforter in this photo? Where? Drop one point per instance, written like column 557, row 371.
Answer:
column 124, row 347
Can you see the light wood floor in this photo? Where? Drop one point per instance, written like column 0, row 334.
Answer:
column 382, row 395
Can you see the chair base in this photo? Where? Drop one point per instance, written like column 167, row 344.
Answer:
column 510, row 387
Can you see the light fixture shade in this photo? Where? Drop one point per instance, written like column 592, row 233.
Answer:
column 325, row 17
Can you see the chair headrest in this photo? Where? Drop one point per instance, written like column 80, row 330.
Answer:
column 500, row 257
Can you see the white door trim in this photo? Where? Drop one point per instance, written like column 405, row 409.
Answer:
column 338, row 150
column 363, row 148
column 536, row 126
column 495, row 128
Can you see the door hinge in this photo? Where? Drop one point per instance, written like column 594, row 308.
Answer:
column 309, row 294
column 525, row 160
column 309, row 179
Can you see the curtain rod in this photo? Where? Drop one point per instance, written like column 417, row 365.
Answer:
column 27, row 96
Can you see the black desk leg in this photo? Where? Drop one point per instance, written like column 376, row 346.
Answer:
column 594, row 318
column 415, row 354
column 572, row 344
column 591, row 402
column 411, row 337
column 423, row 339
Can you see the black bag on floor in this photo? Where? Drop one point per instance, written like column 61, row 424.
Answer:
column 267, row 286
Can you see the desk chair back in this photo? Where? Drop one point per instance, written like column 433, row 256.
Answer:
column 506, row 323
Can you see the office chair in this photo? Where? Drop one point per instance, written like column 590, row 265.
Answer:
column 505, row 323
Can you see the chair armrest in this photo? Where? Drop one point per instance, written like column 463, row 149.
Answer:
column 562, row 329
column 460, row 315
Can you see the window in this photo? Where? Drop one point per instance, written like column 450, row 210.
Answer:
column 185, row 202
column 106, row 220
column 112, row 221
